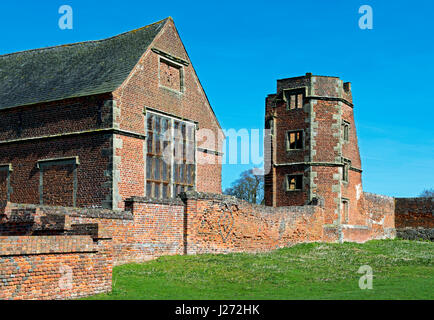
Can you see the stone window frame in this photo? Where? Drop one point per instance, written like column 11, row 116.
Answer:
column 287, row 142
column 346, row 127
column 172, row 183
column 7, row 167
column 43, row 163
column 177, row 65
column 345, row 210
column 291, row 92
column 297, row 175
column 346, row 170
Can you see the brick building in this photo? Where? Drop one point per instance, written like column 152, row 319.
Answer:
column 86, row 124
column 97, row 140
column 314, row 150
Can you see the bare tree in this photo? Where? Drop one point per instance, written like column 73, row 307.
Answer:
column 427, row 193
column 248, row 187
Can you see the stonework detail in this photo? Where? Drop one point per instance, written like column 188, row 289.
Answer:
column 330, row 160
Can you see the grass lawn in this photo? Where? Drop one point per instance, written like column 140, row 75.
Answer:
column 401, row 269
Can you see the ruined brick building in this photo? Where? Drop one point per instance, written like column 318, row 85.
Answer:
column 314, row 150
column 84, row 185
column 82, row 125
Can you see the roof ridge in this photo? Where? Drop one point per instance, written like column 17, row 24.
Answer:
column 88, row 41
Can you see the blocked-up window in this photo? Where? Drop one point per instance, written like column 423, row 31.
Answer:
column 345, row 210
column 294, row 140
column 346, row 130
column 171, row 75
column 58, row 182
column 170, row 161
column 294, row 182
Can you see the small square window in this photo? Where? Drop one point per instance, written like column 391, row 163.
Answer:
column 294, row 140
column 294, row 182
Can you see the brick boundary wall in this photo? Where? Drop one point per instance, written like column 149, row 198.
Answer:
column 29, row 219
column 224, row 224
column 415, row 218
column 54, row 267
column 35, row 239
column 379, row 211
column 151, row 228
column 158, row 227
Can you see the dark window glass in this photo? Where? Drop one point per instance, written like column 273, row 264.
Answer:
column 294, row 182
column 295, row 140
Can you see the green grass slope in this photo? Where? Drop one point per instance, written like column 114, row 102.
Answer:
column 401, row 270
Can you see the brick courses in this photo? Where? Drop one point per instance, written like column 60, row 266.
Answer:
column 45, row 236
column 414, row 218
column 54, row 267
column 329, row 153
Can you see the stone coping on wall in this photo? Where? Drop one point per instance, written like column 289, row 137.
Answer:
column 378, row 196
column 31, row 245
column 173, row 202
column 74, row 212
column 231, row 200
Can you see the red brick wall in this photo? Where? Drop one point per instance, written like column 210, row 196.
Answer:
column 324, row 181
column 154, row 228
column 92, row 189
column 131, row 168
column 158, row 228
column 58, row 185
column 32, row 133
column 290, row 198
column 376, row 219
column 222, row 224
column 24, row 219
column 200, row 223
column 414, row 212
column 56, row 267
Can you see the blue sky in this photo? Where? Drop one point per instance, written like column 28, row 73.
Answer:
column 240, row 48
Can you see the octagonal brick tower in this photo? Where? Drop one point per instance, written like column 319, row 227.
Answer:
column 314, row 150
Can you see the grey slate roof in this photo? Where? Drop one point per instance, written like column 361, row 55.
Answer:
column 74, row 70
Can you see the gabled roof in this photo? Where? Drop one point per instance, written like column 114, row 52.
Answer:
column 74, row 70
